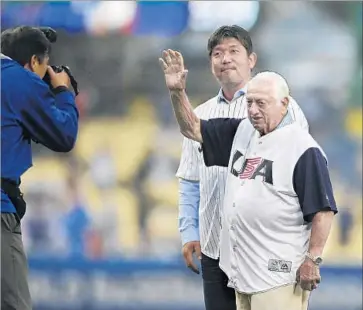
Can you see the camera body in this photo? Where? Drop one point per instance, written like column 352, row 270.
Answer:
column 58, row 69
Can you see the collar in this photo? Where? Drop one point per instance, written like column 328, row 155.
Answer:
column 287, row 120
column 3, row 56
column 238, row 94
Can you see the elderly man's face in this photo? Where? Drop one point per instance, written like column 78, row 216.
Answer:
column 265, row 109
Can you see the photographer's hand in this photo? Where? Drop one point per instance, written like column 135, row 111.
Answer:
column 59, row 79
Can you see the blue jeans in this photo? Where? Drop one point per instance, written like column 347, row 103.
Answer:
column 217, row 295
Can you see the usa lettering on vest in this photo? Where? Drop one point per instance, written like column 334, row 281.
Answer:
column 253, row 167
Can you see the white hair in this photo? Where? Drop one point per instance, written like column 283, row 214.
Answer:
column 280, row 84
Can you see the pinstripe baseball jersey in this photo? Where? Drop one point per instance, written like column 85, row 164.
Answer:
column 275, row 185
column 212, row 180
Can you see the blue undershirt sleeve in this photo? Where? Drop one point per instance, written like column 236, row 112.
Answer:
column 189, row 198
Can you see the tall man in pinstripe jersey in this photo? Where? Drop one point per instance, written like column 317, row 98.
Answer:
column 202, row 189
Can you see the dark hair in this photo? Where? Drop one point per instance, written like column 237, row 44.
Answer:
column 6, row 40
column 21, row 43
column 233, row 31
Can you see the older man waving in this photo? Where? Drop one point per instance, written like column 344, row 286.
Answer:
column 279, row 203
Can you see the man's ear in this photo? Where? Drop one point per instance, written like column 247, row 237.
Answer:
column 34, row 62
column 285, row 101
column 252, row 60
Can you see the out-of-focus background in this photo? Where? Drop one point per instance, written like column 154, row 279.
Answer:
column 101, row 226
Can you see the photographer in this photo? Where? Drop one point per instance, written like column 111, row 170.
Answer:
column 30, row 110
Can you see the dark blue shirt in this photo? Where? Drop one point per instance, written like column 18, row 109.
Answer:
column 30, row 111
column 311, row 179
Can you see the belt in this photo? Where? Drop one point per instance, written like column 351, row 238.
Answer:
column 12, row 189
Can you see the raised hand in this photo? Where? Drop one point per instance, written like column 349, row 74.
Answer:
column 172, row 64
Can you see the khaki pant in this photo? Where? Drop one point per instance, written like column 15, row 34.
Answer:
column 290, row 297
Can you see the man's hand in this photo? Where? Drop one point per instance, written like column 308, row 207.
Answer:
column 59, row 79
column 175, row 76
column 308, row 275
column 172, row 64
column 188, row 249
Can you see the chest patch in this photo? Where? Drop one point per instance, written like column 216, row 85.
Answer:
column 252, row 168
